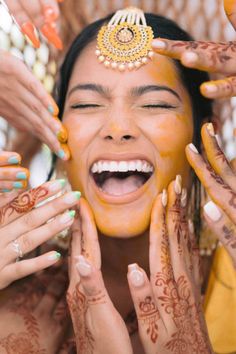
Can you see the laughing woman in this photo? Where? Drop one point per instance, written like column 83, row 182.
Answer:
column 132, row 119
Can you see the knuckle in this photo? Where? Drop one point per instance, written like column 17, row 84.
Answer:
column 33, row 86
column 26, row 244
column 36, row 107
column 29, row 221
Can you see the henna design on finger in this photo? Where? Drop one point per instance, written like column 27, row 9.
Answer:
column 78, row 306
column 99, row 298
column 180, row 222
column 23, row 203
column 229, row 235
column 20, row 343
column 149, row 316
column 219, row 180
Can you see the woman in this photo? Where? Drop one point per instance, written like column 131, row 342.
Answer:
column 142, row 119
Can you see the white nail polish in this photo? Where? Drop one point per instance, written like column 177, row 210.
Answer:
column 83, row 266
column 54, row 256
column 57, row 185
column 158, row 44
column 72, row 197
column 178, row 184
column 135, row 275
column 193, row 148
column 184, row 197
column 211, row 88
column 212, row 211
column 191, row 57
column 164, row 198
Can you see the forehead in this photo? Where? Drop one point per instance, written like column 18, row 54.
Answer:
column 160, row 69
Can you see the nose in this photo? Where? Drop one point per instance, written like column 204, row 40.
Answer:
column 119, row 128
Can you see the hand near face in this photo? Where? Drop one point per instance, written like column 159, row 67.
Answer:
column 168, row 306
column 42, row 15
column 25, row 227
column 219, row 179
column 207, row 56
column 97, row 324
column 26, row 105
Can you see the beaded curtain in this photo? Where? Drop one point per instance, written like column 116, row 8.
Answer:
column 204, row 19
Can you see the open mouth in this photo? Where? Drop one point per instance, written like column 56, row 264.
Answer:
column 117, row 178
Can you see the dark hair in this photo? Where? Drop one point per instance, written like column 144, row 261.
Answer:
column 191, row 79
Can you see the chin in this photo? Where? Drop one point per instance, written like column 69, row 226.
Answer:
column 119, row 226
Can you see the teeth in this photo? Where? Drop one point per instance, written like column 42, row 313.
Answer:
column 121, row 166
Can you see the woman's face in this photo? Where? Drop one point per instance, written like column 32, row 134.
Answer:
column 127, row 135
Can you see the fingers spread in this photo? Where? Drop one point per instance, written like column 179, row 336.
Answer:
column 222, row 226
column 215, row 186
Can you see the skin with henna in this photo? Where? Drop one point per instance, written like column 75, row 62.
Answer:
column 208, row 56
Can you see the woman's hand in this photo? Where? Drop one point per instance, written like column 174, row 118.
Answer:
column 26, row 105
column 98, row 327
column 219, row 179
column 38, row 14
column 168, row 306
column 25, row 226
column 12, row 175
column 207, row 56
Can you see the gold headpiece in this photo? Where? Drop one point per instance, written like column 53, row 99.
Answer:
column 126, row 41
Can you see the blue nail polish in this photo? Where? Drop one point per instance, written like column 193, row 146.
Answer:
column 13, row 160
column 50, row 109
column 6, row 190
column 61, row 154
column 21, row 175
column 17, row 185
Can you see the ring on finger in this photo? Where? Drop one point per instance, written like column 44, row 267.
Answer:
column 17, row 249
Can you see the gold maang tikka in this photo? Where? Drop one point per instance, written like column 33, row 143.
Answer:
column 125, row 42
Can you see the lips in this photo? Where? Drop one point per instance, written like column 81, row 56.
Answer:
column 120, row 178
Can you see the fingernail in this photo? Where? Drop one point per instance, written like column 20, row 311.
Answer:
column 13, row 160
column 17, row 185
column 61, row 154
column 183, row 200
column 191, row 57
column 31, row 33
column 211, row 88
column 49, row 14
column 72, row 197
column 212, row 211
column 54, row 256
column 67, row 216
column 50, row 33
column 6, row 190
column 62, row 136
column 190, row 226
column 178, row 184
column 83, row 266
column 21, row 175
column 53, row 108
column 135, row 275
column 164, row 198
column 158, row 44
column 56, row 185
column 210, row 129
column 193, row 148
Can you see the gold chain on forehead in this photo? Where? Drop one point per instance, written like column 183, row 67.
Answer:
column 125, row 43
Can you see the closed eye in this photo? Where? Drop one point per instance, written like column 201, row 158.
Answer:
column 165, row 106
column 85, row 105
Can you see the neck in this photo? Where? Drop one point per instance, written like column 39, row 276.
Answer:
column 118, row 253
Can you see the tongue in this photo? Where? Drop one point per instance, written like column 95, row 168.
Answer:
column 118, row 186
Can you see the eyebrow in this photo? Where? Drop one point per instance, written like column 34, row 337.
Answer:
column 135, row 91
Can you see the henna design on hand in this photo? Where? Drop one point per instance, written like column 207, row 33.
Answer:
column 20, row 343
column 230, row 236
column 180, row 222
column 149, row 315
column 78, row 306
column 23, row 203
column 177, row 302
